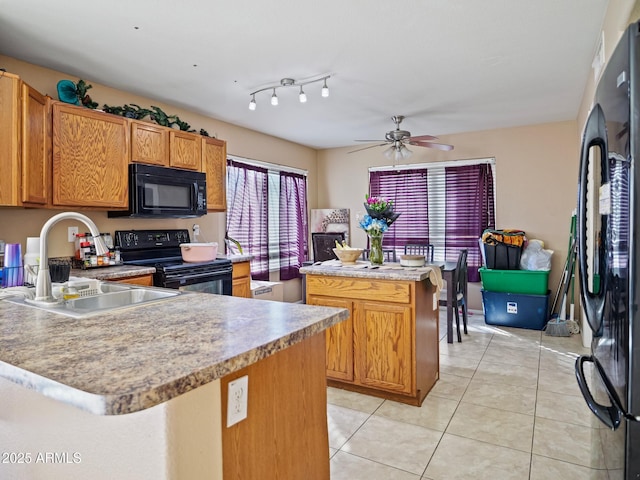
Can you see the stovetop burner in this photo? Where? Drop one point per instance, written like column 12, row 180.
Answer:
column 161, row 249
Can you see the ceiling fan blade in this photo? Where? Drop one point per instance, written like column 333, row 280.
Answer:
column 366, row 148
column 422, row 137
column 439, row 146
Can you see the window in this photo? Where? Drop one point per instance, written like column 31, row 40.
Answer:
column 448, row 205
column 267, row 214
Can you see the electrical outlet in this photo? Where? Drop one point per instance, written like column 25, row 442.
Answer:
column 71, row 234
column 237, row 400
column 196, row 229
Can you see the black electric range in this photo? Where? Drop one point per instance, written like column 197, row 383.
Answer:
column 161, row 249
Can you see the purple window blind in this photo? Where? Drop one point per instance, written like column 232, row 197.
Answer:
column 247, row 207
column 293, row 224
column 408, row 191
column 469, row 210
column 447, row 207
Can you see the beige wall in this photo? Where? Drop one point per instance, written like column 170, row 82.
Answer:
column 16, row 223
column 536, row 181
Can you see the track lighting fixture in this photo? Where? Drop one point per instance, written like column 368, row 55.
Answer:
column 290, row 82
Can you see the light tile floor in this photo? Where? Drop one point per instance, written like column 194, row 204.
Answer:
column 507, row 406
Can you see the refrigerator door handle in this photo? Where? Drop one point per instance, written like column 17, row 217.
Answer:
column 595, row 135
column 609, row 415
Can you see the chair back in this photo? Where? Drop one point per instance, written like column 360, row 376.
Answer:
column 461, row 274
column 419, row 249
column 323, row 245
column 389, row 254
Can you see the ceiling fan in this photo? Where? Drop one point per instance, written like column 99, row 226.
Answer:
column 398, row 139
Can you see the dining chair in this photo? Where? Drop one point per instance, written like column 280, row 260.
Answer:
column 420, row 249
column 323, row 245
column 389, row 254
column 460, row 297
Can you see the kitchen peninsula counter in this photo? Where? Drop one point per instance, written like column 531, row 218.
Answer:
column 167, row 366
column 389, row 346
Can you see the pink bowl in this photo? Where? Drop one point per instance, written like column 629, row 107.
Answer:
column 199, row 252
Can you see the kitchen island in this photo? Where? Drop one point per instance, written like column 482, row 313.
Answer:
column 142, row 392
column 389, row 345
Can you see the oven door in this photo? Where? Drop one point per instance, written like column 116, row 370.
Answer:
column 218, row 282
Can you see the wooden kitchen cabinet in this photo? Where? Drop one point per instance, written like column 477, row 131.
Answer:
column 167, row 147
column 214, row 164
column 145, row 280
column 149, row 143
column 389, row 346
column 25, row 136
column 90, row 158
column 339, row 340
column 241, row 280
column 185, row 150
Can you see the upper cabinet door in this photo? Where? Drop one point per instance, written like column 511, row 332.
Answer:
column 149, row 143
column 35, row 142
column 25, row 136
column 9, row 139
column 214, row 164
column 90, row 158
column 185, row 150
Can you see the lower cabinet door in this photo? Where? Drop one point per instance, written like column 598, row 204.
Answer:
column 339, row 340
column 383, row 346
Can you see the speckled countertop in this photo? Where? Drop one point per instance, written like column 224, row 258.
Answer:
column 132, row 359
column 113, row 272
column 122, row 271
column 388, row 271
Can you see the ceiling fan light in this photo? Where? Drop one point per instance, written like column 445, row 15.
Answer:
column 325, row 89
column 274, row 98
column 252, row 103
column 303, row 96
column 389, row 152
column 405, row 152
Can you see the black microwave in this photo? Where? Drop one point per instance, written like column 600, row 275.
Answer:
column 163, row 192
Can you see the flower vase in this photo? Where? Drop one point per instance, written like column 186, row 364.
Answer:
column 376, row 256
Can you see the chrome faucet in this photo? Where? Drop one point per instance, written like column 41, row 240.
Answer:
column 43, row 282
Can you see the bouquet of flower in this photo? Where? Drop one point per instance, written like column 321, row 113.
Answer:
column 380, row 209
column 380, row 215
column 373, row 226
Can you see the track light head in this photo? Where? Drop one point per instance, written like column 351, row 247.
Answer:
column 302, row 96
column 325, row 89
column 252, row 103
column 274, row 98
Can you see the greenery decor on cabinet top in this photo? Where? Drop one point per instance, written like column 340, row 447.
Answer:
column 76, row 94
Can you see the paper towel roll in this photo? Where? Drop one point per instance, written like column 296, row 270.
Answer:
column 33, row 245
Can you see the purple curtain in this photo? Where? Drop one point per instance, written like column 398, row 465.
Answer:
column 469, row 210
column 408, row 191
column 247, row 207
column 293, row 224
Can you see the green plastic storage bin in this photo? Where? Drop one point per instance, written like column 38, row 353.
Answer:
column 528, row 282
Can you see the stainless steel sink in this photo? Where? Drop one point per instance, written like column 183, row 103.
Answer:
column 112, row 296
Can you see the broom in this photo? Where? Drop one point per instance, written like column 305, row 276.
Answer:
column 557, row 326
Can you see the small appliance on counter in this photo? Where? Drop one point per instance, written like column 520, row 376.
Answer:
column 162, row 250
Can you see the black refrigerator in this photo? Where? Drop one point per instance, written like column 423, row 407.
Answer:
column 608, row 256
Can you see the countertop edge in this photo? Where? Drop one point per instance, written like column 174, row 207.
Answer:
column 132, row 402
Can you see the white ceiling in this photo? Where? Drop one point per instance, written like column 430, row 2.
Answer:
column 449, row 66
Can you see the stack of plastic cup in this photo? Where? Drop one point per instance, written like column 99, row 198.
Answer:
column 13, row 270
